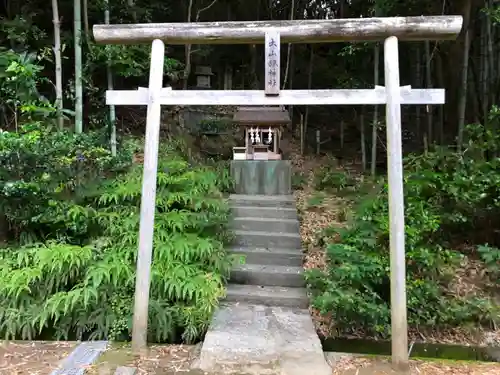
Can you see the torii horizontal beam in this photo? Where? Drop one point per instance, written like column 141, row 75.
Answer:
column 286, row 97
column 293, row 31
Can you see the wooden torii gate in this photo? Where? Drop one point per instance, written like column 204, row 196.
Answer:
column 273, row 33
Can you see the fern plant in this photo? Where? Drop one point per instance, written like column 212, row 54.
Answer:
column 87, row 291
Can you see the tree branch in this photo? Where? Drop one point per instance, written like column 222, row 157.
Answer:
column 204, row 9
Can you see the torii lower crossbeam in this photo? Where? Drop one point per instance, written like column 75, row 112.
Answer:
column 285, row 97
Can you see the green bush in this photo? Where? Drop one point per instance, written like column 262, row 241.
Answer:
column 69, row 215
column 491, row 258
column 448, row 197
column 329, row 178
column 86, row 290
column 299, row 180
column 43, row 171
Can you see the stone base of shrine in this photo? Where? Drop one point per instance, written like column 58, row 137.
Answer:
column 262, row 177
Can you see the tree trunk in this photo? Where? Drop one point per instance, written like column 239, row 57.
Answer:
column 309, row 84
column 440, row 80
column 86, row 27
column 428, row 84
column 363, row 143
column 253, row 76
column 290, row 86
column 187, row 49
column 289, row 49
column 58, row 61
column 483, row 69
column 492, row 73
column 109, row 74
column 78, row 66
column 463, row 92
column 131, row 5
column 452, row 53
column 375, row 111
column 418, row 83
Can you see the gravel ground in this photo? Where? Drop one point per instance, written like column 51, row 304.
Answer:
column 359, row 365
column 32, row 357
column 40, row 358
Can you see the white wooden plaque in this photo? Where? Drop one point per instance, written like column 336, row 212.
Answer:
column 272, row 59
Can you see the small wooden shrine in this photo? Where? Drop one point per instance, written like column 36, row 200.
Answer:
column 263, row 129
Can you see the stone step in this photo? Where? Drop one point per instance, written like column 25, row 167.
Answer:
column 257, row 339
column 266, row 224
column 267, row 239
column 268, row 295
column 268, row 275
column 262, row 200
column 269, row 256
column 264, row 212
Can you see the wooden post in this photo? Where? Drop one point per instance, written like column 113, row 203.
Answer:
column 148, row 199
column 318, row 141
column 399, row 329
column 272, row 60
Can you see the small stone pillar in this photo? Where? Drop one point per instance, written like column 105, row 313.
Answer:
column 203, row 77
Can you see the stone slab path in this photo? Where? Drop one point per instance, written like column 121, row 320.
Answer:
column 257, row 339
column 264, row 327
column 83, row 356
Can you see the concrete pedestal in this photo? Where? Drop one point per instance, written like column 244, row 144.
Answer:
column 262, row 177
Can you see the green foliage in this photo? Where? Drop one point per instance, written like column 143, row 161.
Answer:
column 330, row 178
column 224, row 181
column 70, row 218
column 41, row 170
column 128, row 61
column 19, row 81
column 216, row 126
column 315, row 200
column 21, row 31
column 491, row 257
column 86, row 289
column 299, row 180
column 449, row 196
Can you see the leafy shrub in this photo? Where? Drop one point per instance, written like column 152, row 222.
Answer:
column 216, row 125
column 328, row 178
column 448, row 197
column 87, row 290
column 491, row 257
column 40, row 172
column 19, row 81
column 224, row 181
column 299, row 180
column 69, row 212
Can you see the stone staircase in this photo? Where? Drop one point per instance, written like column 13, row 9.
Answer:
column 268, row 240
column 264, row 326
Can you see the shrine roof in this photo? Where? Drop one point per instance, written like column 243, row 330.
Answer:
column 261, row 115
